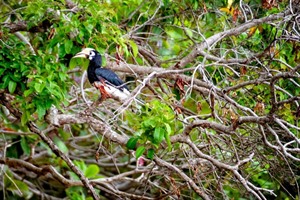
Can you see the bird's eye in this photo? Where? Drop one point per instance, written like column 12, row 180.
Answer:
column 92, row 55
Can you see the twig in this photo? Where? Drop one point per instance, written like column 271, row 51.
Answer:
column 25, row 40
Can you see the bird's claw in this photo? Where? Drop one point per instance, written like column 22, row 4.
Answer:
column 100, row 87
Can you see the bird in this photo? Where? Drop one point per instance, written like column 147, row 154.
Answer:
column 105, row 80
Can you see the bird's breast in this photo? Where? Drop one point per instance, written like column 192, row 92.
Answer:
column 92, row 75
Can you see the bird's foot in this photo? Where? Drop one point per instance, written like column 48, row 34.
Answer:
column 104, row 93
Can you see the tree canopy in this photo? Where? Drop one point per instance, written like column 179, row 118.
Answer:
column 220, row 82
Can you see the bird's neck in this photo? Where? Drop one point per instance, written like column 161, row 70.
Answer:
column 96, row 62
column 91, row 73
column 93, row 65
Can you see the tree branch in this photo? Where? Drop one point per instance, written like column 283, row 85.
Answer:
column 59, row 153
column 217, row 37
column 191, row 183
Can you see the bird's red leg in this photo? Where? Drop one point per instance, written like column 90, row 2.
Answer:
column 100, row 87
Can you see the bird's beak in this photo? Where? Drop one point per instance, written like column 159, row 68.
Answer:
column 82, row 54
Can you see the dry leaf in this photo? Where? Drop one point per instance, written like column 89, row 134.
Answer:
column 97, row 156
column 204, row 8
column 52, row 33
column 259, row 107
column 268, row 4
column 178, row 110
column 199, row 107
column 233, row 116
column 252, row 31
column 236, row 13
column 180, row 83
column 243, row 70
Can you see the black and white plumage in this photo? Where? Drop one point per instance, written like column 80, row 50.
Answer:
column 107, row 81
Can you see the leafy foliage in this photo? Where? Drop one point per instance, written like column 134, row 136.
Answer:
column 155, row 124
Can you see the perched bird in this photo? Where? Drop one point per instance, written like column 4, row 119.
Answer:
column 105, row 80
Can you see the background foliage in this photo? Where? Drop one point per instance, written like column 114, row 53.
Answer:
column 221, row 86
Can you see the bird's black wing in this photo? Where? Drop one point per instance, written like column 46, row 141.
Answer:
column 110, row 77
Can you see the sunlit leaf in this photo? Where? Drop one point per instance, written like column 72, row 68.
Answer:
column 79, row 62
column 68, row 46
column 159, row 133
column 168, row 140
column 226, row 10
column 91, row 171
column 168, row 128
column 139, row 151
column 12, row 86
column 229, row 3
column 41, row 111
column 19, row 188
column 150, row 154
column 39, row 87
column 134, row 48
column 131, row 143
column 27, row 92
column 175, row 33
column 60, row 144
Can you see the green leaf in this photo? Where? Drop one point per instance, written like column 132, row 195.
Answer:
column 150, row 154
column 150, row 122
column 80, row 164
column 12, row 86
column 168, row 140
column 25, row 117
column 28, row 92
column 89, row 27
column 25, row 146
column 81, row 62
column 5, row 80
column 159, row 133
column 38, row 87
column 60, row 144
column 73, row 176
column 140, row 150
column 41, row 111
column 131, row 143
column 167, row 135
column 2, row 70
column 175, row 33
column 92, row 171
column 134, row 48
column 61, row 51
column 18, row 186
column 68, row 46
column 168, row 129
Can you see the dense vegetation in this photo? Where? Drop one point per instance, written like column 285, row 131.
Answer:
column 221, row 86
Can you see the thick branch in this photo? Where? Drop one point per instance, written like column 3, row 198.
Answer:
column 61, row 119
